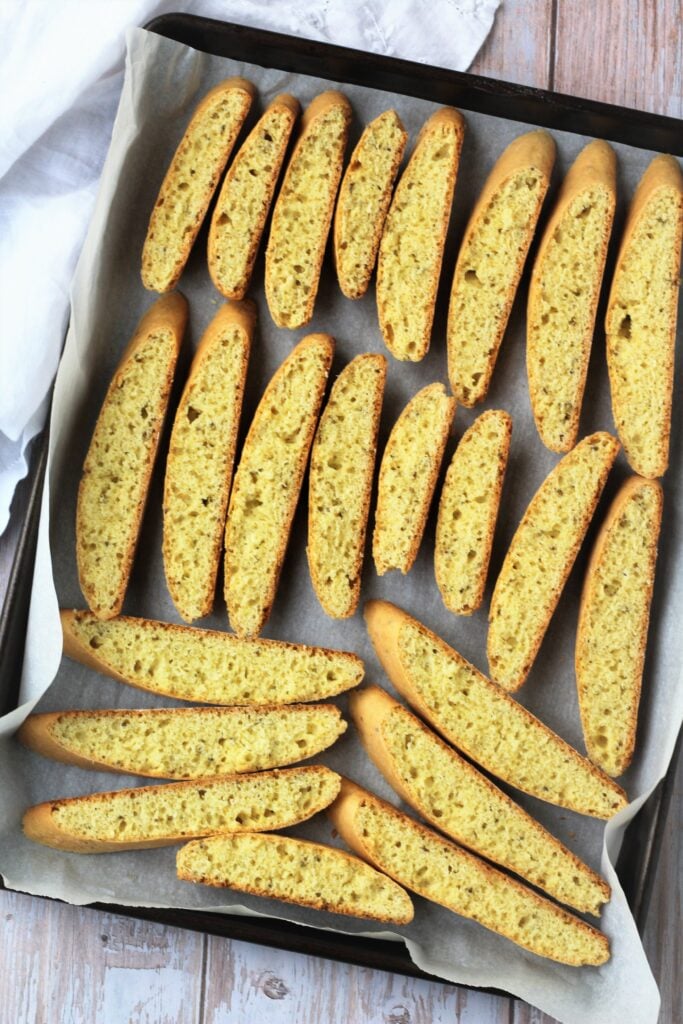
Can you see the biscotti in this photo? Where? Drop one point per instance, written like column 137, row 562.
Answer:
column 200, row 460
column 417, row 858
column 564, row 291
column 640, row 323
column 482, row 720
column 457, row 799
column 303, row 211
column 407, row 477
column 120, row 459
column 541, row 556
column 131, row 819
column 296, row 871
column 244, row 201
column 364, row 199
column 613, row 621
column 187, row 743
column 468, row 509
column 411, row 249
column 204, row 665
column 491, row 260
column 340, row 483
column 267, row 483
column 191, row 180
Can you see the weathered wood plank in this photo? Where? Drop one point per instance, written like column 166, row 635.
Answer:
column 633, row 57
column 62, row 963
column 519, row 46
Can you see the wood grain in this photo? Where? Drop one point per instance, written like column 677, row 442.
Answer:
column 519, row 46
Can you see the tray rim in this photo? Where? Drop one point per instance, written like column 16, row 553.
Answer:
column 637, row 861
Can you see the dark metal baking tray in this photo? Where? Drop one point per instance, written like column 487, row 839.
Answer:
column 637, row 863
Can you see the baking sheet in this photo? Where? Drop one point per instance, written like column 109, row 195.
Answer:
column 164, row 81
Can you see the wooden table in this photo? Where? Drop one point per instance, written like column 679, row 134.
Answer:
column 62, row 964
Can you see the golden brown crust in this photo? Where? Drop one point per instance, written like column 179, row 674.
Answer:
column 241, row 315
column 343, row 813
column 664, row 172
column 384, row 507
column 451, row 118
column 594, row 168
column 326, row 343
column 167, row 184
column 384, row 622
column 442, row 539
column 510, row 564
column 168, row 314
column 533, row 150
column 348, row 289
column 316, row 549
column 326, row 853
column 371, row 710
column 289, row 106
column 41, row 826
column 315, row 110
column 77, row 651
column 629, row 489
column 37, row 731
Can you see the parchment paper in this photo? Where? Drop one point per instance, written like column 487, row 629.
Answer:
column 163, row 84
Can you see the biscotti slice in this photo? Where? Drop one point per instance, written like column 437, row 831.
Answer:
column 364, row 199
column 244, row 201
column 491, row 260
column 303, row 211
column 340, row 483
column 452, row 795
column 200, row 460
column 187, row 743
column 204, row 665
column 120, row 459
column 563, row 294
column 613, row 621
column 640, row 323
column 541, row 556
column 482, row 720
column 411, row 249
column 191, row 181
column 446, row 874
column 407, row 477
column 295, row 871
column 468, row 509
column 268, row 481
column 131, row 819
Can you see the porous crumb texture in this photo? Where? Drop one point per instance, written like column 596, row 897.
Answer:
column 342, row 466
column 295, row 871
column 242, row 803
column 541, row 555
column 641, row 332
column 490, row 264
column 189, row 184
column 561, row 315
column 268, row 481
column 116, row 471
column 244, row 201
column 612, row 634
column 447, row 875
column 207, row 666
column 455, row 797
column 494, row 730
column 364, row 199
column 197, row 742
column 302, row 216
column 199, row 471
column 411, row 249
column 407, row 477
column 468, row 509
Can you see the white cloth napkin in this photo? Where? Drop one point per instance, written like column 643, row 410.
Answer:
column 60, row 79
